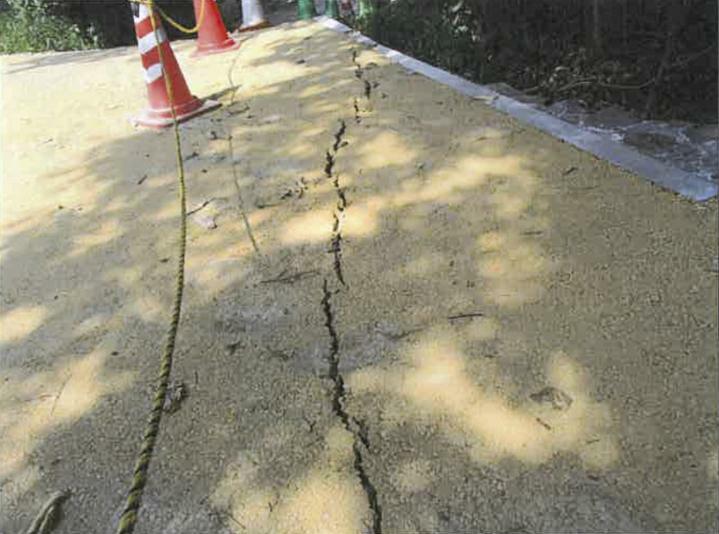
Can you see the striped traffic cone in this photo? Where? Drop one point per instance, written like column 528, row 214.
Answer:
column 159, row 114
column 253, row 16
column 212, row 35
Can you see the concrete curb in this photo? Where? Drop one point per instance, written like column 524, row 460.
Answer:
column 661, row 174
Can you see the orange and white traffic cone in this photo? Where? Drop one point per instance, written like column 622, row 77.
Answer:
column 159, row 114
column 212, row 35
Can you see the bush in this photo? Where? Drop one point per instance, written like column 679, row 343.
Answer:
column 30, row 26
column 656, row 56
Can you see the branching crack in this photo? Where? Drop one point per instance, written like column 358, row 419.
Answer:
column 338, row 215
column 354, row 426
column 351, row 424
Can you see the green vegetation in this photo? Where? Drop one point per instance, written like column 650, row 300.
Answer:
column 655, row 56
column 31, row 26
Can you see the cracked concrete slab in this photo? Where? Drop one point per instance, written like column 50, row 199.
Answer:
column 443, row 319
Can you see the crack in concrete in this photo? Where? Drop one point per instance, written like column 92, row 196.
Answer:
column 358, row 119
column 329, row 163
column 338, row 136
column 336, row 250
column 367, row 89
column 359, row 74
column 361, row 432
column 338, row 215
column 342, row 204
column 354, row 426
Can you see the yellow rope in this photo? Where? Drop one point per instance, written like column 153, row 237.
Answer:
column 173, row 22
column 128, row 519
column 179, row 26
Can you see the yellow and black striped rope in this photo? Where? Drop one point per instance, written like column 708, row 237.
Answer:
column 128, row 519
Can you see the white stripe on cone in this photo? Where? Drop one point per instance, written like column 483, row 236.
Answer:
column 152, row 73
column 142, row 14
column 148, row 42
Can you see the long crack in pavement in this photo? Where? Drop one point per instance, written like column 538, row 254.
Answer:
column 352, row 425
column 506, row 332
column 339, row 214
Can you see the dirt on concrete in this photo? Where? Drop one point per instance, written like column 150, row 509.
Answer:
column 405, row 311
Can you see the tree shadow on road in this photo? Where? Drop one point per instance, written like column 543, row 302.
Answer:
column 481, row 324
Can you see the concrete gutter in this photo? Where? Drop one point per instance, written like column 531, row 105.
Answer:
column 686, row 184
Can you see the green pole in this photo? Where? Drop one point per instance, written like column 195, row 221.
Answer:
column 366, row 8
column 332, row 9
column 306, row 9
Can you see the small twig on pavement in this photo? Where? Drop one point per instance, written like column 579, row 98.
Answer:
column 62, row 388
column 201, row 206
column 289, row 279
column 465, row 316
column 545, row 425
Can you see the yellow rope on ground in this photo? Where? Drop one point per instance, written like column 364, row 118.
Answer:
column 128, row 519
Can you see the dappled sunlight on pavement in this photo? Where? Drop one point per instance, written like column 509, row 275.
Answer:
column 399, row 307
column 484, row 422
column 51, row 399
column 324, row 500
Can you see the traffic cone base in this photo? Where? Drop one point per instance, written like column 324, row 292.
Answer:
column 162, row 118
column 215, row 48
column 256, row 26
column 161, row 69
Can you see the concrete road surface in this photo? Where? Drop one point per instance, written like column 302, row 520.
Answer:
column 448, row 321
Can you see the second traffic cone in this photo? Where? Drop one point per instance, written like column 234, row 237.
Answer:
column 253, row 16
column 212, row 35
column 159, row 114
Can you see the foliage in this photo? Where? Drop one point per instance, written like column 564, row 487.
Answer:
column 656, row 56
column 30, row 26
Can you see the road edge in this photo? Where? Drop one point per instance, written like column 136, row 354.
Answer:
column 655, row 171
